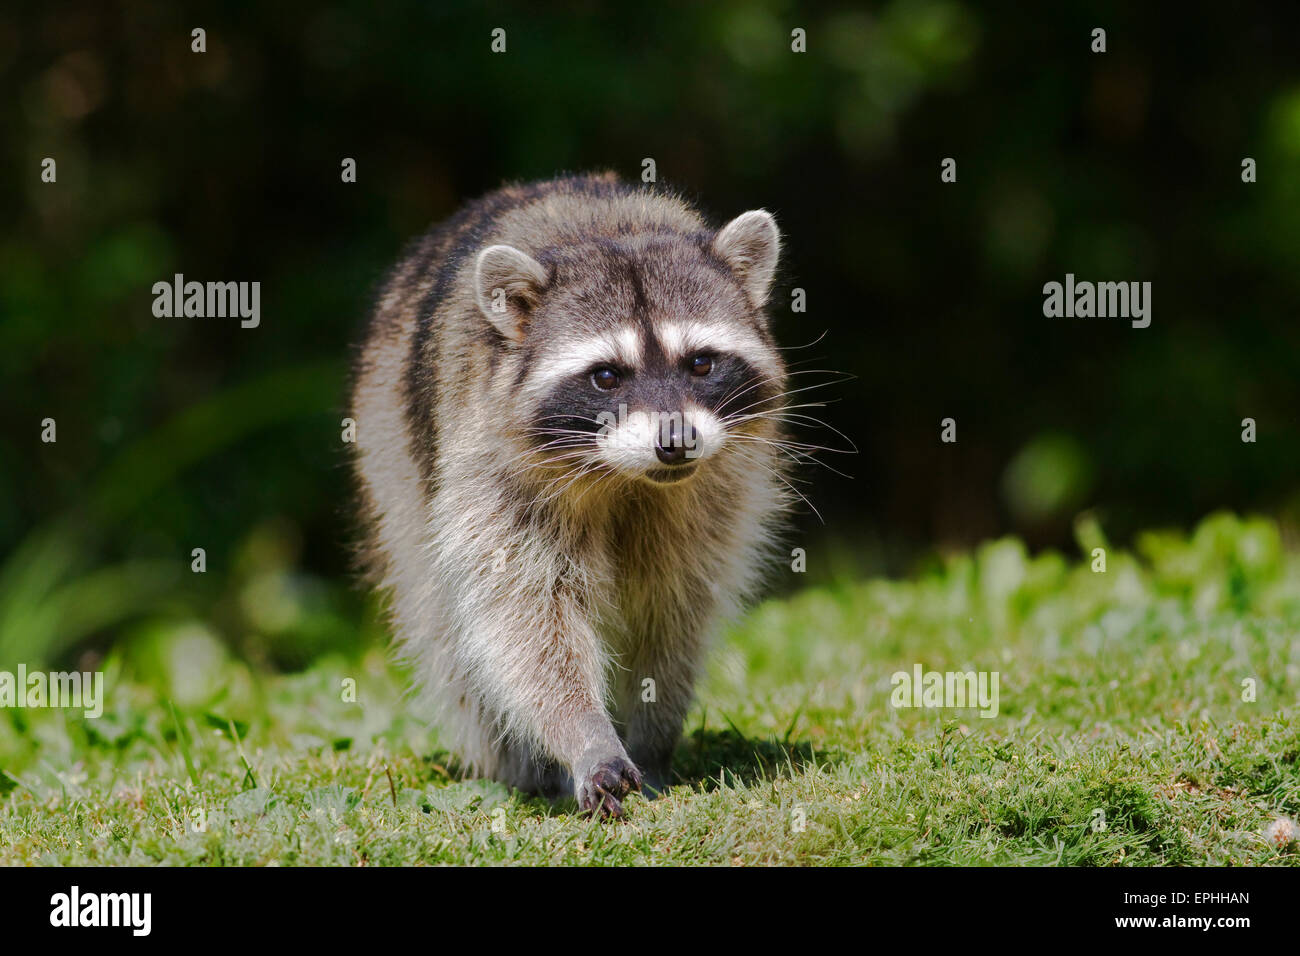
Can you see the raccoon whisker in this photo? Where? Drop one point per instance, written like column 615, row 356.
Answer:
column 807, row 455
column 803, row 448
column 743, row 416
column 798, row 452
column 561, row 440
column 566, row 480
column 795, row 441
column 571, row 418
column 744, row 387
column 605, row 476
column 556, row 453
column 753, row 459
column 550, row 462
column 840, row 376
column 552, row 430
column 813, row 421
column 536, row 457
column 742, row 390
column 555, row 445
column 805, row 388
column 561, row 433
column 794, row 478
column 542, row 498
column 740, row 393
column 564, row 438
column 789, row 410
column 777, row 397
column 557, row 468
column 784, row 416
column 597, row 469
column 790, row 453
column 790, row 348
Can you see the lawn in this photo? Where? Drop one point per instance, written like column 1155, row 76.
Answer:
column 1146, row 715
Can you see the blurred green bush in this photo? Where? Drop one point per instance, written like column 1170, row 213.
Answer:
column 177, row 434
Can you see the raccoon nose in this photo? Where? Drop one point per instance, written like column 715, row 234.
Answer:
column 671, row 448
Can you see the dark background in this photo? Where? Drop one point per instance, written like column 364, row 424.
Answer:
column 183, row 433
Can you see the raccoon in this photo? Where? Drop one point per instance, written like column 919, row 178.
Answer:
column 568, row 447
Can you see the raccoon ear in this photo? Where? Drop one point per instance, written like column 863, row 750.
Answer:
column 508, row 284
column 750, row 245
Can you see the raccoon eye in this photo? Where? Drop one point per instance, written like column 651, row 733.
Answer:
column 605, row 379
column 701, row 365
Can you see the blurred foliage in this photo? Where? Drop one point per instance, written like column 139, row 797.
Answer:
column 1206, row 599
column 176, row 434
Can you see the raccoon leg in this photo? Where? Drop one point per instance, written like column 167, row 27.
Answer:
column 546, row 677
column 520, row 768
column 655, row 697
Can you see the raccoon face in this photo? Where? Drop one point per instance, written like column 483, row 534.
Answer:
column 645, row 356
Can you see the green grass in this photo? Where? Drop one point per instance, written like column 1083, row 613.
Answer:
column 1121, row 700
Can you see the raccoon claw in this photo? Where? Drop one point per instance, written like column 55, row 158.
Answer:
column 606, row 785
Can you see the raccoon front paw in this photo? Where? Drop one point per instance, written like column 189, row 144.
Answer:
column 601, row 789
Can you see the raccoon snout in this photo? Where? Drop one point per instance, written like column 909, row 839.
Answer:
column 672, row 448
